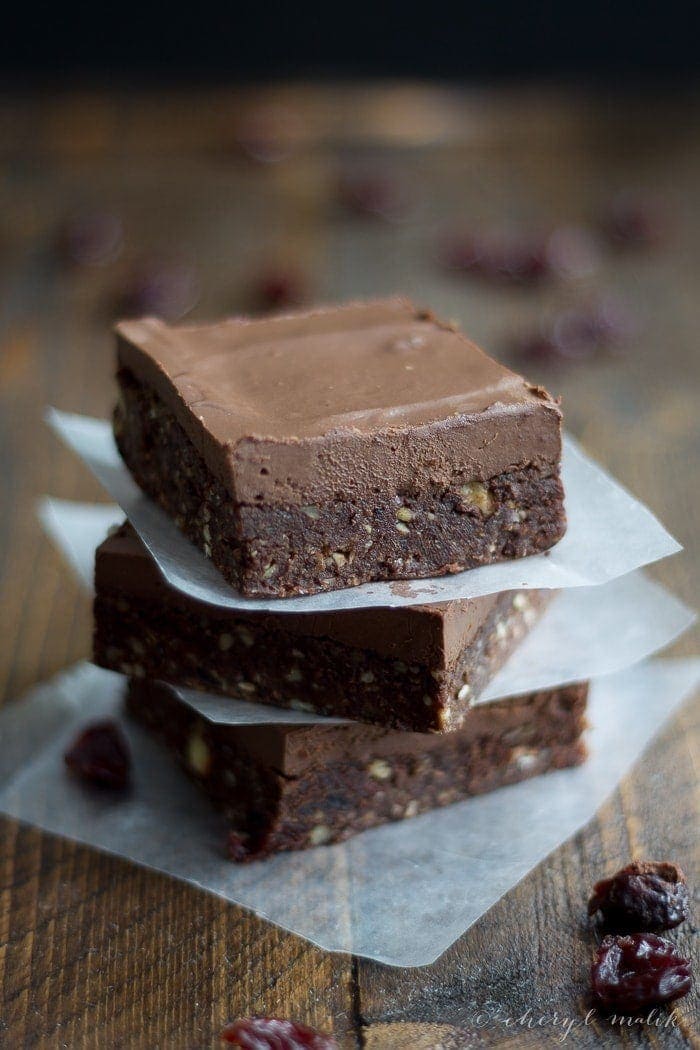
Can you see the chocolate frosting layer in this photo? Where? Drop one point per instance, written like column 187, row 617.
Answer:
column 337, row 402
column 433, row 635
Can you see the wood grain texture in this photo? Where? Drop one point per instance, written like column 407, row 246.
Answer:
column 97, row 953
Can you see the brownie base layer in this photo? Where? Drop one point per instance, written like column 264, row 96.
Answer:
column 265, row 549
column 161, row 634
column 288, row 788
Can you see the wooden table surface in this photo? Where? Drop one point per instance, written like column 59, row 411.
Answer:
column 95, row 952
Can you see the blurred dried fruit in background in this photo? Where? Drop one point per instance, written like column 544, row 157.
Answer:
column 634, row 220
column 157, row 288
column 276, row 290
column 90, row 238
column 577, row 333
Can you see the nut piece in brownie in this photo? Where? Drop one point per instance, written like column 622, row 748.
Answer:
column 416, row 668
column 326, row 449
column 286, row 787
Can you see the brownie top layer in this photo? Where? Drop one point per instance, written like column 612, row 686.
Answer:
column 433, row 635
column 258, row 396
column 291, row 749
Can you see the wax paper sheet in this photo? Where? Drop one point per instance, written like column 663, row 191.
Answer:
column 583, row 633
column 610, row 533
column 400, row 894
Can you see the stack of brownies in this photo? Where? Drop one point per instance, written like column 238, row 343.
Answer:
column 310, row 453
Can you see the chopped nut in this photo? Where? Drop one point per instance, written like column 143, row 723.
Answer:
column 521, row 602
column 311, row 512
column 207, row 550
column 501, row 630
column 367, row 528
column 464, row 692
column 298, row 653
column 427, row 700
column 246, row 687
column 366, row 677
column 379, row 769
column 269, row 571
column 198, row 754
column 206, row 533
column 478, row 495
column 411, row 809
column 404, row 514
column 225, row 642
column 401, row 527
column 430, row 516
column 300, row 705
column 245, row 636
column 137, row 646
column 206, row 513
column 319, row 835
column 339, row 558
column 525, row 758
column 294, row 675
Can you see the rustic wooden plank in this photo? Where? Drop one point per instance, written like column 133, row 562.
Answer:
column 96, row 952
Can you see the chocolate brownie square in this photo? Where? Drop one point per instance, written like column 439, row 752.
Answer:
column 288, row 787
column 417, row 668
column 325, row 449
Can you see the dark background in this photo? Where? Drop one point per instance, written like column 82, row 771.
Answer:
column 172, row 41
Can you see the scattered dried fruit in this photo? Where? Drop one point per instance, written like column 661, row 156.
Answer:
column 507, row 259
column 578, row 334
column 277, row 291
column 90, row 239
column 374, row 194
column 633, row 220
column 567, row 252
column 645, row 895
column 267, row 1033
column 100, row 755
column 159, row 289
column 639, row 971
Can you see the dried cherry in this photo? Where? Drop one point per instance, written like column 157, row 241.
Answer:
column 644, row 895
column 100, row 755
column 638, row 971
column 269, row 1033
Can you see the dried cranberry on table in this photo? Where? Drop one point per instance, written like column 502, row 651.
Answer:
column 633, row 220
column 100, row 755
column 277, row 290
column 374, row 194
column 164, row 289
column 268, row 1033
column 508, row 259
column 638, row 971
column 577, row 334
column 644, row 895
column 90, row 238
column 567, row 252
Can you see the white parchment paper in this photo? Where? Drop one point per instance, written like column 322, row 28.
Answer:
column 401, row 893
column 584, row 632
column 609, row 534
